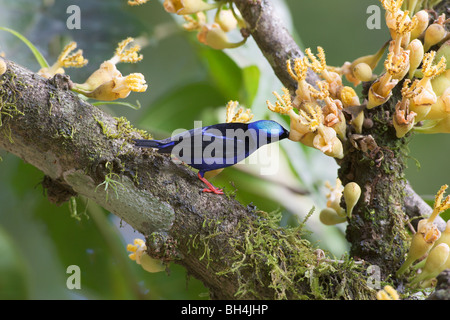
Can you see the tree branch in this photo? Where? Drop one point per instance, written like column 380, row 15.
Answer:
column 272, row 37
column 233, row 249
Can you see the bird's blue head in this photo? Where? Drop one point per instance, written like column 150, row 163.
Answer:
column 273, row 130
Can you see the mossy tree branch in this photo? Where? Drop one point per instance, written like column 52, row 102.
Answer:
column 235, row 250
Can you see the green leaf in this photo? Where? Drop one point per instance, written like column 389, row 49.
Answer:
column 12, row 269
column 179, row 108
column 39, row 57
column 251, row 75
column 225, row 73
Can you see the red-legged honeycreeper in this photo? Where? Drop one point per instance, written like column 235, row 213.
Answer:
column 218, row 146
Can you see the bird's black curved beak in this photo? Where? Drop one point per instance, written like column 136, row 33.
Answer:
column 285, row 134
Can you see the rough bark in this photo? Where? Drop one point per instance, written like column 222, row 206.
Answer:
column 273, row 39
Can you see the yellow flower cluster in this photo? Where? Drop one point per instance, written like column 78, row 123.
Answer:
column 316, row 115
column 106, row 83
column 214, row 35
column 428, row 241
column 426, row 95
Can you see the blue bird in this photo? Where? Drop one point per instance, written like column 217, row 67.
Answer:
column 218, row 146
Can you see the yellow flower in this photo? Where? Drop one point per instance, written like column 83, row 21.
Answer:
column 122, row 54
column 107, row 83
column 319, row 66
column 239, row 115
column 298, row 72
column 139, row 254
column 381, row 90
column 307, row 126
column 182, row 7
column 136, row 2
column 403, row 119
column 435, row 33
column 349, row 99
column 332, row 111
column 399, row 23
column 334, row 197
column 388, row 293
column 427, row 232
column 439, row 205
column 319, row 136
column 283, row 105
column 65, row 60
column 434, row 264
column 422, row 102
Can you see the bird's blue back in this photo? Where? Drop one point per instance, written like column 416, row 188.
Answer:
column 220, row 145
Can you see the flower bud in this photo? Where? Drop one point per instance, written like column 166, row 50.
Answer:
column 216, row 38
column 226, row 20
column 362, row 72
column 434, row 264
column 370, row 60
column 182, row 7
column 421, row 242
column 329, row 217
column 433, row 35
column 151, row 265
column 352, row 193
column 139, row 254
column 416, row 55
column 444, row 51
column 422, row 24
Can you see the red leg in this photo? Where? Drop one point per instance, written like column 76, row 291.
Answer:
column 210, row 186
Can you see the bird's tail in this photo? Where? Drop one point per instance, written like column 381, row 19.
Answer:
column 148, row 143
column 157, row 144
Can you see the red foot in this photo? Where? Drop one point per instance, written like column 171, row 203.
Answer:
column 215, row 190
column 210, row 188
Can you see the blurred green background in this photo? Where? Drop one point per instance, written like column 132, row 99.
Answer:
column 187, row 82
